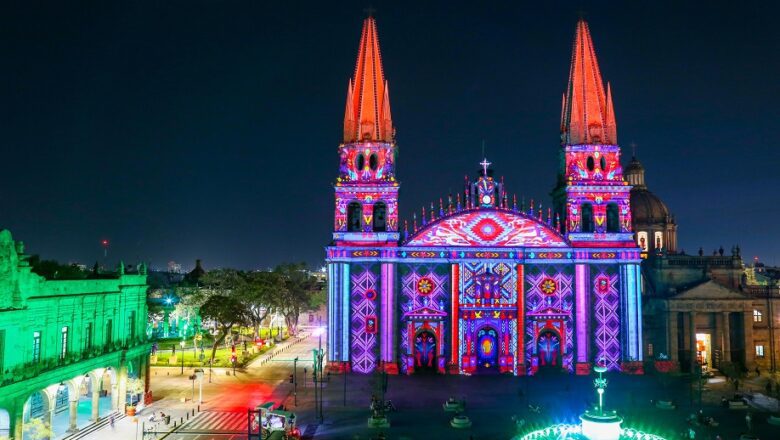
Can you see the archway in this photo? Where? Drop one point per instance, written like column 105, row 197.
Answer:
column 487, row 350
column 548, row 349
column 425, row 352
column 36, row 415
column 107, row 391
column 5, row 423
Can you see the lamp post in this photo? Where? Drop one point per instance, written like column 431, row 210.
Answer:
column 319, row 363
column 295, row 380
column 183, row 343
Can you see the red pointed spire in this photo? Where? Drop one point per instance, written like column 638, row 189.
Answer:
column 368, row 108
column 588, row 117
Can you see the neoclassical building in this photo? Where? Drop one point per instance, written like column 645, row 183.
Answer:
column 476, row 284
column 70, row 350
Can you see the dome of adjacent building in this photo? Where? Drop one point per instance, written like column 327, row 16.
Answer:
column 647, row 208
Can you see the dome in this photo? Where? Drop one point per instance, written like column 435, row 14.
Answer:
column 647, row 208
column 634, row 167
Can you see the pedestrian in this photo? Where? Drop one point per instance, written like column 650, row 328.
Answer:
column 111, row 421
column 758, row 372
column 749, row 422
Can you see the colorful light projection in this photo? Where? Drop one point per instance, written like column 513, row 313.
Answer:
column 364, row 319
column 366, row 162
column 488, row 227
column 549, row 307
column 424, row 303
column 606, row 313
column 367, row 199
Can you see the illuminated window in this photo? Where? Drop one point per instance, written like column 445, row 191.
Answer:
column 659, row 240
column 64, row 343
column 757, row 316
column 36, row 353
column 587, row 217
column 380, row 217
column 641, row 240
column 354, row 214
column 760, row 350
column 613, row 218
column 650, row 350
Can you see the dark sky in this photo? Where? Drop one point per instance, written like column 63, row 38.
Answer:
column 209, row 129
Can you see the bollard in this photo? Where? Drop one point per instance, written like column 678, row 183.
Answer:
column 198, row 408
column 193, row 411
column 188, row 415
column 174, row 424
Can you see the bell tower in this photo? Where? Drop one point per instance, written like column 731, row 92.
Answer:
column 366, row 188
column 591, row 197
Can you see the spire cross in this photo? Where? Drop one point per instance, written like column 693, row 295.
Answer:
column 369, row 11
column 485, row 164
column 633, row 148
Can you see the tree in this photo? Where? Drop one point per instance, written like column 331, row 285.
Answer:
column 261, row 295
column 297, row 296
column 53, row 270
column 36, row 429
column 224, row 289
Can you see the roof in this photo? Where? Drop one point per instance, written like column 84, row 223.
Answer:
column 647, row 207
column 587, row 116
column 367, row 115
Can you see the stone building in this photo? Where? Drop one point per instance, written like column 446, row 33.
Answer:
column 71, row 351
column 706, row 309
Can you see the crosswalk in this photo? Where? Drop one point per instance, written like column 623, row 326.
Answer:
column 217, row 422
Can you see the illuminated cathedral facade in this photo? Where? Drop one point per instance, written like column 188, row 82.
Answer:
column 478, row 285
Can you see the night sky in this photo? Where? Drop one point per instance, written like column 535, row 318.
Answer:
column 209, row 129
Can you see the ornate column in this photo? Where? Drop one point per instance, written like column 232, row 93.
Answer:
column 692, row 315
column 672, row 335
column 582, row 307
column 16, row 427
column 726, row 337
column 95, row 399
column 387, row 321
column 121, row 378
column 73, row 412
column 750, row 349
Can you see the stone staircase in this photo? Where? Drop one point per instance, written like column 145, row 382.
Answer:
column 87, row 430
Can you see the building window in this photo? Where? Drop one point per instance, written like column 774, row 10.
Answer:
column 759, row 350
column 650, row 350
column 659, row 241
column 64, row 343
column 131, row 323
column 587, row 217
column 642, row 240
column 757, row 316
column 354, row 217
column 2, row 349
column 380, row 217
column 109, row 330
column 613, row 217
column 36, row 352
column 88, row 337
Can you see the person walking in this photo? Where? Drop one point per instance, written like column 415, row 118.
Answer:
column 111, row 421
column 749, row 422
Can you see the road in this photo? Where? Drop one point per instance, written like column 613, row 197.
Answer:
column 223, row 412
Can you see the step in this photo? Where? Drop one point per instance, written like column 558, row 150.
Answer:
column 89, row 429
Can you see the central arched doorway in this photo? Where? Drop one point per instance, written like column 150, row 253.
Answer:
column 548, row 348
column 487, row 350
column 425, row 352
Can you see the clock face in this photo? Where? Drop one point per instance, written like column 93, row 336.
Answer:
column 486, row 200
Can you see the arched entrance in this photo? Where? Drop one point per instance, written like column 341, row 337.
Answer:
column 487, row 350
column 425, row 352
column 548, row 348
column 36, row 416
column 5, row 423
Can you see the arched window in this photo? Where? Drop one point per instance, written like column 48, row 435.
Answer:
column 613, row 218
column 659, row 240
column 354, row 216
column 373, row 162
column 641, row 240
column 603, row 163
column 587, row 217
column 360, row 162
column 380, row 217
column 591, row 163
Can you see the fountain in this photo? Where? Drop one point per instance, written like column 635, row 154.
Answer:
column 595, row 423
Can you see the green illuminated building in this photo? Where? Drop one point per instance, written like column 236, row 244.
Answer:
column 71, row 351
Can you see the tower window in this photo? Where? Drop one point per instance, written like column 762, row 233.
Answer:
column 613, row 217
column 659, row 241
column 757, row 316
column 354, row 214
column 373, row 162
column 603, row 163
column 380, row 217
column 591, row 163
column 360, row 162
column 587, row 216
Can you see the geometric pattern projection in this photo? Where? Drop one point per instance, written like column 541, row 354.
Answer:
column 549, row 296
column 424, row 292
column 364, row 307
column 606, row 315
column 475, row 286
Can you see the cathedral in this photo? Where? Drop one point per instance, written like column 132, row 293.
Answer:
column 478, row 285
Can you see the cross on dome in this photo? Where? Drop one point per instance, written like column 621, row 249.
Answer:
column 485, row 164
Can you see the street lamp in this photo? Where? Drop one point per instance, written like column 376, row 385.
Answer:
column 183, row 343
column 318, row 332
